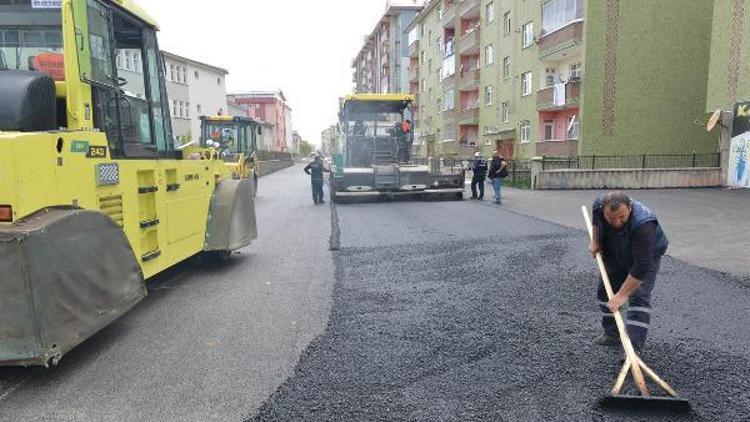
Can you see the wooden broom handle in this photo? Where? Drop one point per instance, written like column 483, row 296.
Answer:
column 630, row 354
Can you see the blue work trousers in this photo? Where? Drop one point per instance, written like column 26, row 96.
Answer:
column 638, row 315
column 497, row 184
column 317, row 190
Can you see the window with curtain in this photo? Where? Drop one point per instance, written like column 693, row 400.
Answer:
column 559, row 13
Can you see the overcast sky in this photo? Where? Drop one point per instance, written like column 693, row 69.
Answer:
column 303, row 47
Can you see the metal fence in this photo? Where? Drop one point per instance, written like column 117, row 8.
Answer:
column 519, row 174
column 593, row 162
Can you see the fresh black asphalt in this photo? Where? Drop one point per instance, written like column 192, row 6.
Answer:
column 460, row 312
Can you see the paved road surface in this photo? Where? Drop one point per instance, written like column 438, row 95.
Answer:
column 429, row 311
column 460, row 311
column 206, row 344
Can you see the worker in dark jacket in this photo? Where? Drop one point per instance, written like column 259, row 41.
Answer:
column 480, row 174
column 315, row 169
column 632, row 244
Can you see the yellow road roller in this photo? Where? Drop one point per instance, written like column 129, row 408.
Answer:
column 94, row 197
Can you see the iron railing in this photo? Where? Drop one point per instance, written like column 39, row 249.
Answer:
column 658, row 161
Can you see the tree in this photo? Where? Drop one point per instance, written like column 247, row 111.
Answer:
column 305, row 148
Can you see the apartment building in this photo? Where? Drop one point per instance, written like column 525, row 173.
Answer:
column 561, row 77
column 270, row 107
column 194, row 89
column 381, row 66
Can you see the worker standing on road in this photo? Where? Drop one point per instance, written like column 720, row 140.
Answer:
column 480, row 174
column 315, row 169
column 498, row 171
column 632, row 244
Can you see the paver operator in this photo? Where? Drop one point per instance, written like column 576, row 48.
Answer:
column 632, row 244
column 315, row 169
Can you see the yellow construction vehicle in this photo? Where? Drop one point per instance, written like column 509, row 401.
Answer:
column 236, row 138
column 94, row 197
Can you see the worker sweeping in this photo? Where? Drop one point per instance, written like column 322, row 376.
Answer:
column 632, row 243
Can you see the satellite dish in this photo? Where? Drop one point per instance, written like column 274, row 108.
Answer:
column 714, row 120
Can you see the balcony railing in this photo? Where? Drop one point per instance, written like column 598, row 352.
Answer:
column 469, row 79
column 468, row 7
column 469, row 43
column 414, row 49
column 413, row 74
column 562, row 39
column 448, row 17
column 449, row 82
column 469, row 116
column 545, row 98
column 566, row 148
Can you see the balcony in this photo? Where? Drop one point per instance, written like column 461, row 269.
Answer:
column 545, row 98
column 469, row 43
column 469, row 116
column 555, row 45
column 469, row 80
column 448, row 17
column 449, row 82
column 469, row 8
column 413, row 74
column 414, row 49
column 567, row 148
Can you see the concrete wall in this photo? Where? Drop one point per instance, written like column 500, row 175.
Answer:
column 626, row 178
column 267, row 167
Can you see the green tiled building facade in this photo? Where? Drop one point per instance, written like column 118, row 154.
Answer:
column 563, row 77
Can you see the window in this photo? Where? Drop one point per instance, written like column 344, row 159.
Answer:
column 195, row 75
column 175, row 109
column 187, row 109
column 489, row 12
column 119, row 59
column 184, row 75
column 489, row 55
column 429, row 66
column 421, row 58
column 550, row 77
column 575, row 71
column 506, row 67
column 559, row 13
column 172, row 73
column 572, row 130
column 528, row 35
column 198, row 106
column 549, row 130
column 525, row 131
column 218, row 81
column 489, row 92
column 506, row 23
column 505, row 112
column 440, row 43
column 449, row 100
column 526, row 83
column 127, row 106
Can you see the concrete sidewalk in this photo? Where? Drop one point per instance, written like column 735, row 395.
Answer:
column 706, row 227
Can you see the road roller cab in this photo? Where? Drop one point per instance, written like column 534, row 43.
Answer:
column 236, row 139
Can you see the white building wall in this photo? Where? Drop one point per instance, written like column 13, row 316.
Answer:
column 288, row 122
column 208, row 93
column 179, row 100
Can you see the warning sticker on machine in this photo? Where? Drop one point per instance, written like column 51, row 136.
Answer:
column 46, row 4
